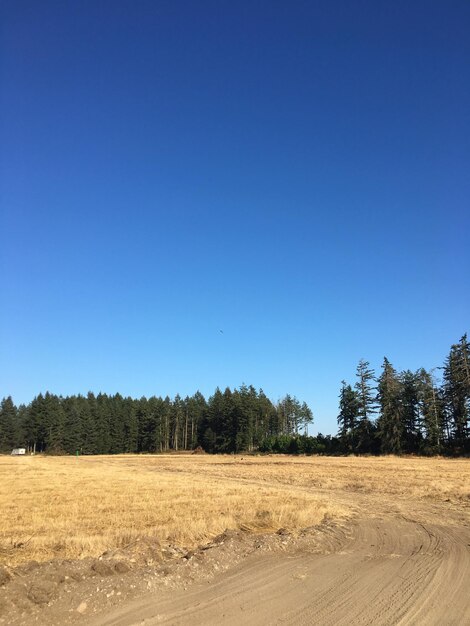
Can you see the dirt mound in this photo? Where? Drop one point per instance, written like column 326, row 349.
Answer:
column 62, row 592
column 138, row 553
column 5, row 576
column 199, row 450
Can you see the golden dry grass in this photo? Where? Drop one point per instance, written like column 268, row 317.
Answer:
column 66, row 507
column 435, row 479
column 71, row 508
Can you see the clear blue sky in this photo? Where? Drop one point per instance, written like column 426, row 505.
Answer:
column 296, row 174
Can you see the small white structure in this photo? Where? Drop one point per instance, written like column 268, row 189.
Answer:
column 18, row 451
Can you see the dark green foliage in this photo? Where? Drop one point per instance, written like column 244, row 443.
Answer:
column 72, row 438
column 348, row 418
column 390, row 399
column 411, row 418
column 289, row 409
column 457, row 391
column 292, row 444
column 366, row 406
column 417, row 415
column 431, row 413
column 242, row 419
column 232, row 421
column 89, row 425
column 8, row 429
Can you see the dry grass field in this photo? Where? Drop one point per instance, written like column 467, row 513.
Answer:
column 72, row 508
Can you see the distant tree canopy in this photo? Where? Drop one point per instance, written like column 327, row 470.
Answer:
column 396, row 412
column 229, row 421
column 416, row 414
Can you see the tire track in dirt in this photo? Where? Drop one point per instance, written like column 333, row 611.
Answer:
column 392, row 569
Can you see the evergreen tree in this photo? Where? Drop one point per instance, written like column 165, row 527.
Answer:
column 91, row 431
column 72, row 438
column 115, row 410
column 348, row 418
column 290, row 411
column 432, row 412
column 35, row 424
column 196, row 407
column 19, row 435
column 244, row 412
column 390, row 424
column 8, row 425
column 130, row 426
column 165, row 424
column 268, row 419
column 102, row 417
column 177, row 417
column 152, row 424
column 306, row 416
column 410, row 405
column 145, row 427
column 457, row 391
column 54, row 424
column 367, row 406
column 228, row 422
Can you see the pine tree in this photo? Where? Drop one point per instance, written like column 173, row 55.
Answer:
column 102, row 418
column 213, row 433
column 290, row 412
column 35, row 424
column 228, row 422
column 91, row 432
column 244, row 411
column 156, row 420
column 130, row 426
column 268, row 424
column 19, row 439
column 306, row 416
column 411, row 419
column 457, row 391
column 72, row 438
column 197, row 407
column 145, row 425
column 367, row 406
column 54, row 424
column 391, row 410
column 116, row 412
column 348, row 417
column 8, row 425
column 176, row 419
column 431, row 411
column 166, row 422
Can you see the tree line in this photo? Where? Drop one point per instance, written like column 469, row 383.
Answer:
column 408, row 412
column 229, row 421
column 394, row 413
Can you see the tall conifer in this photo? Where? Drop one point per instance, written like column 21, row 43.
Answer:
column 391, row 409
column 366, row 395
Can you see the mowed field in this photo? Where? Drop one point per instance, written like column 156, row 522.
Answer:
column 67, row 507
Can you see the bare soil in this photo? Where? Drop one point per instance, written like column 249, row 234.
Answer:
column 396, row 560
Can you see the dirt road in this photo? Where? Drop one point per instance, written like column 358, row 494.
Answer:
column 394, row 565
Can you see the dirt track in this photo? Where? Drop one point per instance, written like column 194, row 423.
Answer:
column 395, row 563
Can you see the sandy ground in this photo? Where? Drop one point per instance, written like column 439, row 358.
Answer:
column 395, row 561
column 393, row 564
